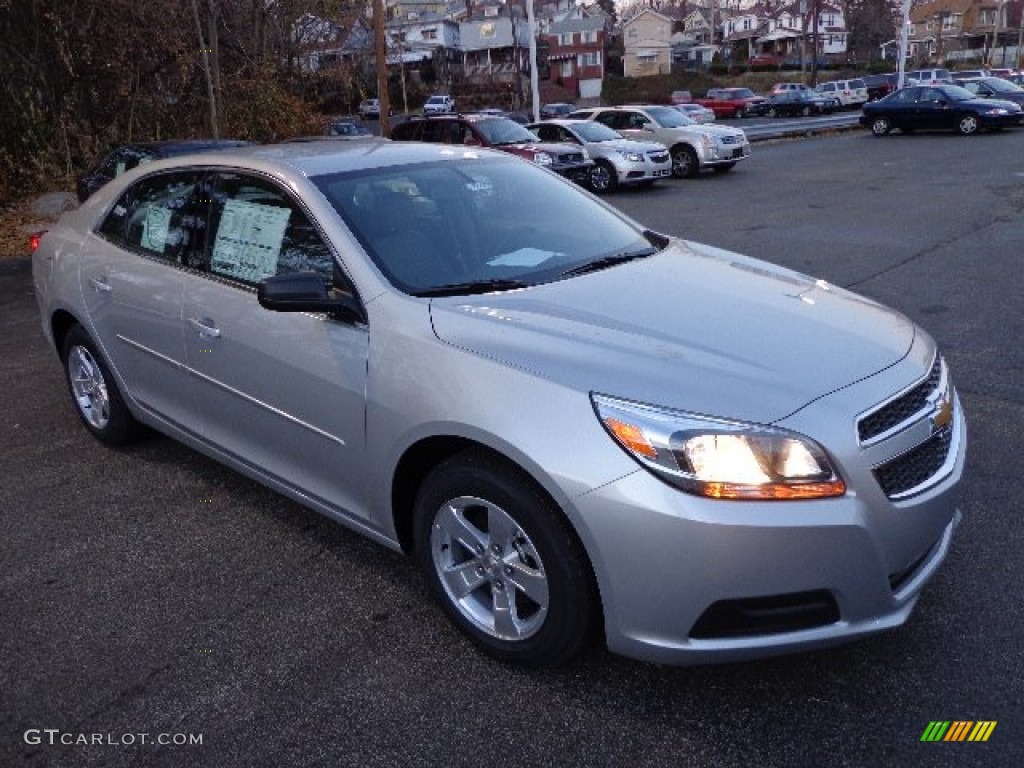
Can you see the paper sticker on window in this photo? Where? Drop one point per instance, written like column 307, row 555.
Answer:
column 524, row 257
column 249, row 240
column 120, row 168
column 154, row 228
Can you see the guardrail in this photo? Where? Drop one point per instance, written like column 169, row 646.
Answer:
column 803, row 126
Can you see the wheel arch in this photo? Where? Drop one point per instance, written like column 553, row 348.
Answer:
column 61, row 323
column 423, row 456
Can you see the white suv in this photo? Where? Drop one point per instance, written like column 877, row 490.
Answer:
column 693, row 146
column 439, row 105
column 849, row 93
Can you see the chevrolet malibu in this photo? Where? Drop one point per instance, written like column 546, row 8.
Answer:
column 576, row 432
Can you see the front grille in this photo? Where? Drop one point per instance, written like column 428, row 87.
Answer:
column 902, row 408
column 731, row 139
column 658, row 157
column 916, row 466
column 571, row 157
column 767, row 615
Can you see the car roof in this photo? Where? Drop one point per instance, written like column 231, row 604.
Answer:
column 172, row 147
column 325, row 155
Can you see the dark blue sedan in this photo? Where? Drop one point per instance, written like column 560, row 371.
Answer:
column 938, row 107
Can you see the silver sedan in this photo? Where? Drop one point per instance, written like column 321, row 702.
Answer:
column 569, row 421
column 618, row 161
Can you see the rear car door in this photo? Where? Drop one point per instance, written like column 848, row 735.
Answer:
column 283, row 391
column 132, row 281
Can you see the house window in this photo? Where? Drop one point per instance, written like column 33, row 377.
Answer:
column 592, row 59
column 566, row 69
column 633, row 32
column 565, row 38
column 429, row 34
column 746, row 24
column 590, row 36
column 491, row 10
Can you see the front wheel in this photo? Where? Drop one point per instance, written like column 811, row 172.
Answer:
column 881, row 126
column 773, row 112
column 968, row 124
column 94, row 390
column 685, row 164
column 739, row 113
column 503, row 561
column 603, row 177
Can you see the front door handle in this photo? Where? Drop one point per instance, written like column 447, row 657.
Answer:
column 206, row 327
column 100, row 284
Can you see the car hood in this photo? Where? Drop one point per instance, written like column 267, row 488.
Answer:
column 708, row 129
column 626, row 145
column 692, row 327
column 552, row 148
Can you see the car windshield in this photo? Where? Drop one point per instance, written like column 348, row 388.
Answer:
column 669, row 117
column 956, row 93
column 501, row 130
column 592, row 131
column 471, row 224
column 1002, row 86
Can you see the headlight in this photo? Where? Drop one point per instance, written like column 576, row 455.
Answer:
column 717, row 458
column 633, row 157
column 542, row 158
column 998, row 111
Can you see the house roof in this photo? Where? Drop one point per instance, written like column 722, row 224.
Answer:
column 576, row 25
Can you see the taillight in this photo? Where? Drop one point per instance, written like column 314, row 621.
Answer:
column 34, row 239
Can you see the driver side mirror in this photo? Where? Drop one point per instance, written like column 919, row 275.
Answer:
column 307, row 292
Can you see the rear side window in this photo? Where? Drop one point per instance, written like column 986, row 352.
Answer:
column 157, row 216
column 857, row 84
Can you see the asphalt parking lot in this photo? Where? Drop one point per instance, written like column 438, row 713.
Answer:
column 150, row 591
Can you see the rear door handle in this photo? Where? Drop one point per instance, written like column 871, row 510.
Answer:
column 100, row 284
column 206, row 327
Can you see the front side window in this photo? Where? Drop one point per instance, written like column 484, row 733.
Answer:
column 157, row 216
column 256, row 231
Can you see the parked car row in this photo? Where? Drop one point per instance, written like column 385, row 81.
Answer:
column 941, row 107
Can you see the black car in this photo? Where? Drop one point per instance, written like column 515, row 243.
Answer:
column 555, row 109
column 938, row 107
column 994, row 88
column 794, row 103
column 126, row 156
column 497, row 132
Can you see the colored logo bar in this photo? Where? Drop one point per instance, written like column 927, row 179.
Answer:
column 958, row 730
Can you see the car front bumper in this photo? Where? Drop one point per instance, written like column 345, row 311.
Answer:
column 690, row 580
column 577, row 172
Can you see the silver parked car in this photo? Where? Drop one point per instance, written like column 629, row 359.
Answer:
column 694, row 146
column 569, row 421
column 617, row 160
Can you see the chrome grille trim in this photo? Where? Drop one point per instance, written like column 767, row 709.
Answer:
column 908, row 407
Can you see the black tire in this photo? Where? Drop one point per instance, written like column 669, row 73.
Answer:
column 881, row 126
column 94, row 391
column 534, row 557
column 603, row 177
column 968, row 124
column 773, row 112
column 724, row 167
column 740, row 113
column 806, row 111
column 685, row 164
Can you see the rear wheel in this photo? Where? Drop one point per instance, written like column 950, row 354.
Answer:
column 503, row 562
column 739, row 113
column 685, row 164
column 603, row 177
column 94, row 391
column 968, row 124
column 881, row 126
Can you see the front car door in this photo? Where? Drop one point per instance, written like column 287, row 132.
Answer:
column 282, row 392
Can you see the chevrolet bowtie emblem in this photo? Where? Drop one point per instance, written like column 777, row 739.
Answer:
column 943, row 415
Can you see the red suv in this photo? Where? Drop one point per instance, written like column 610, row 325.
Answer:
column 501, row 133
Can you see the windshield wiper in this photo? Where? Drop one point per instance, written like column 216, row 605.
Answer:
column 473, row 286
column 607, row 261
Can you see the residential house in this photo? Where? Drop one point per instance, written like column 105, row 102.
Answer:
column 421, row 37
column 951, row 31
column 785, row 33
column 495, row 56
column 646, row 46
column 575, row 53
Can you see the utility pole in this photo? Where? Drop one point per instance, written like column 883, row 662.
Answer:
column 380, row 52
column 816, row 8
